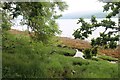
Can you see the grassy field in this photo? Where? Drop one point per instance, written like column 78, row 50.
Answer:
column 25, row 58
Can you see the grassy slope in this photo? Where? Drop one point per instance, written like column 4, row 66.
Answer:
column 80, row 44
column 25, row 58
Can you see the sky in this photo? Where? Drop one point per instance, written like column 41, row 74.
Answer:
column 80, row 6
column 83, row 6
column 75, row 6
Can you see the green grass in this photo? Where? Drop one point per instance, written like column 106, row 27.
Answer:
column 70, row 67
column 24, row 58
column 108, row 58
column 64, row 51
column 0, row 64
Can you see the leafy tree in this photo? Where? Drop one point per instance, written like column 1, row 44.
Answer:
column 107, row 39
column 39, row 16
column 5, row 23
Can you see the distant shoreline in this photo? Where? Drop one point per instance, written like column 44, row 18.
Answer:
column 88, row 18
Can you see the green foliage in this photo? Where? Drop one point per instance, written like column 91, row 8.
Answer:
column 107, row 39
column 89, row 53
column 114, row 6
column 25, row 58
column 18, row 58
column 94, row 51
column 85, row 30
column 5, row 24
column 39, row 16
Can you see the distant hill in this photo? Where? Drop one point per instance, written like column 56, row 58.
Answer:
column 88, row 15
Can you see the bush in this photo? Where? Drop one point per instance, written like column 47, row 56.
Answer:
column 94, row 51
column 87, row 54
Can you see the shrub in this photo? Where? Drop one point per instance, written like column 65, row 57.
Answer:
column 87, row 54
column 94, row 51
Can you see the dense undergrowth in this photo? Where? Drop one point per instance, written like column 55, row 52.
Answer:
column 24, row 58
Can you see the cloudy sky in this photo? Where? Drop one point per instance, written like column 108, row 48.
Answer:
column 83, row 6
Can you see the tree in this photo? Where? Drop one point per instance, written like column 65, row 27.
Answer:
column 107, row 39
column 39, row 16
column 5, row 19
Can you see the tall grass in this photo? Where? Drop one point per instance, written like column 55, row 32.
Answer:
column 24, row 58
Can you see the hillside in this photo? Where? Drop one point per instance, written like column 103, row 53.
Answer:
column 80, row 44
column 26, row 58
column 86, row 15
column 76, row 43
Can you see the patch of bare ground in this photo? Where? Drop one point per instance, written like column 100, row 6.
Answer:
column 14, row 31
column 111, row 52
column 75, row 43
column 81, row 44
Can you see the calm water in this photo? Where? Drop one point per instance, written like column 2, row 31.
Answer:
column 67, row 26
